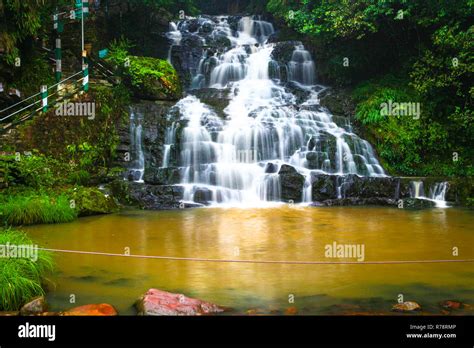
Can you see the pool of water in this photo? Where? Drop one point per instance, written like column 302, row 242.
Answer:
column 274, row 233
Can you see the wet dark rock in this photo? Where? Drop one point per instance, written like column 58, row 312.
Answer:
column 158, row 302
column 354, row 201
column 162, row 176
column 202, row 195
column 283, row 51
column 271, row 168
column 35, row 306
column 323, row 187
column 217, row 98
column 234, row 22
column 417, row 203
column 292, row 184
column 186, row 56
column 219, row 42
column 206, row 28
column 367, row 187
column 145, row 196
column 274, row 38
column 338, row 101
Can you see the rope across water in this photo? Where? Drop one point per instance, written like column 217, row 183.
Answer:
column 289, row 262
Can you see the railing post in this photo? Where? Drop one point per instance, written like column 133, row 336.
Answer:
column 58, row 60
column 85, row 81
column 44, row 97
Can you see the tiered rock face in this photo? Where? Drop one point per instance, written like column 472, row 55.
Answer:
column 252, row 128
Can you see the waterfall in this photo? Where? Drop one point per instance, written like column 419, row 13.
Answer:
column 417, row 190
column 437, row 192
column 235, row 158
column 301, row 67
column 137, row 158
column 174, row 35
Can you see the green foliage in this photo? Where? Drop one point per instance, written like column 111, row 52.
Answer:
column 119, row 50
column 29, row 209
column 427, row 44
column 33, row 170
column 20, row 278
column 92, row 201
column 149, row 77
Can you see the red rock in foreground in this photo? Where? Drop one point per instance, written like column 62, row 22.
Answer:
column 102, row 309
column 158, row 302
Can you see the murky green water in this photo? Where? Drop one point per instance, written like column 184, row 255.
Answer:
column 282, row 233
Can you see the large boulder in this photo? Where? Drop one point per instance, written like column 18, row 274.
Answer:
column 158, row 302
column 292, row 184
column 407, row 306
column 323, row 187
column 35, row 306
column 152, row 197
column 92, row 201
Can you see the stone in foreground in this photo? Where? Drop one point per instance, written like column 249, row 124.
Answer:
column 407, row 306
column 35, row 306
column 451, row 304
column 102, row 309
column 158, row 302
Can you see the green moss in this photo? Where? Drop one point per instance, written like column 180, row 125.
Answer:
column 21, row 278
column 92, row 201
column 149, row 78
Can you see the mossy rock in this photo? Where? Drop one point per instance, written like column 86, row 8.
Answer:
column 153, row 79
column 92, row 201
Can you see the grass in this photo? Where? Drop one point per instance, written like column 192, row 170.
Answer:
column 36, row 209
column 20, row 278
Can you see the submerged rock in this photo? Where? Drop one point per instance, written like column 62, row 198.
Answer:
column 35, row 306
column 417, row 203
column 355, row 201
column 407, row 306
column 450, row 304
column 158, row 302
column 102, row 309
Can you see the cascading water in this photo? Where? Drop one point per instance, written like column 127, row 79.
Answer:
column 437, row 192
column 174, row 35
column 417, row 189
column 301, row 67
column 137, row 158
column 237, row 158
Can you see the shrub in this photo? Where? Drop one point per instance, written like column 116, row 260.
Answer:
column 36, row 209
column 20, row 278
